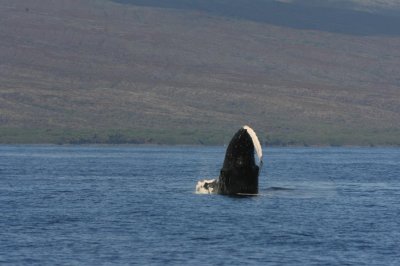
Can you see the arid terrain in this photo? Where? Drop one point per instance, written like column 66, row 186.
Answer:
column 96, row 71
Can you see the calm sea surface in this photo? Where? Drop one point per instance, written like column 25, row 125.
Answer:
column 136, row 205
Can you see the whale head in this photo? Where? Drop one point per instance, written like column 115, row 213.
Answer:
column 239, row 173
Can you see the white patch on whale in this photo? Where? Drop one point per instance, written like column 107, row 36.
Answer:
column 256, row 144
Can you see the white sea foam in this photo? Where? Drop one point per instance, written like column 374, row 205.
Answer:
column 205, row 186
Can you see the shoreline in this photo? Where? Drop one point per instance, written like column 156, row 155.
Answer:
column 148, row 145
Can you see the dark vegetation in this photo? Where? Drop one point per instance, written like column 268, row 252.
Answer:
column 96, row 71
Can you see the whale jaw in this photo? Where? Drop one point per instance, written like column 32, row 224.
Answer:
column 239, row 173
column 232, row 182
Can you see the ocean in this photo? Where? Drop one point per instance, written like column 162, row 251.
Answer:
column 135, row 205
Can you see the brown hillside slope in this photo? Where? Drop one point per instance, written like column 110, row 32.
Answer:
column 94, row 66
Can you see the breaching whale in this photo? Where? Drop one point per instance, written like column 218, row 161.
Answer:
column 239, row 173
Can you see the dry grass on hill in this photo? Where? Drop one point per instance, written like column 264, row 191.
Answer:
column 94, row 67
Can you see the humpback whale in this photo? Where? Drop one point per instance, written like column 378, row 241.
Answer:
column 239, row 173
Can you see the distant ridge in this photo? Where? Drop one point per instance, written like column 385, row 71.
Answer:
column 290, row 14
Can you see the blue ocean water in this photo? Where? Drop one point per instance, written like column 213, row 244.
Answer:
column 71, row 205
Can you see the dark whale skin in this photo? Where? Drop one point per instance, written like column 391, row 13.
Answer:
column 239, row 173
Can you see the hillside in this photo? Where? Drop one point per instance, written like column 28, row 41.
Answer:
column 99, row 71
